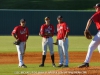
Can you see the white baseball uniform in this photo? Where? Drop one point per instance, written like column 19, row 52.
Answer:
column 22, row 34
column 62, row 29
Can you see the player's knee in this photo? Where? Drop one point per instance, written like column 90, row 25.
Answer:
column 21, row 53
column 51, row 53
column 90, row 46
column 99, row 48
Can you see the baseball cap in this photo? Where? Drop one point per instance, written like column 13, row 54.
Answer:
column 46, row 18
column 22, row 20
column 59, row 17
column 97, row 5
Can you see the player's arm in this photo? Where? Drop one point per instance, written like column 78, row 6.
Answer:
column 66, row 28
column 41, row 33
column 14, row 33
column 66, row 34
column 27, row 34
column 94, row 18
column 15, row 36
column 88, row 24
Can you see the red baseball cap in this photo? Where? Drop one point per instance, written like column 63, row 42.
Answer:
column 97, row 5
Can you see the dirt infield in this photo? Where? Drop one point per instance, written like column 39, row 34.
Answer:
column 35, row 57
column 72, row 71
column 74, row 57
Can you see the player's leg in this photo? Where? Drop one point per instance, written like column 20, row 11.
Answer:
column 99, row 48
column 44, row 51
column 92, row 46
column 22, row 46
column 65, row 51
column 60, row 51
column 24, row 49
column 50, row 44
column 19, row 54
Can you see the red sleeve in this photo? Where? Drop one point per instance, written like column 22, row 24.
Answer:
column 15, row 30
column 95, row 17
column 66, row 28
column 27, row 33
column 42, row 30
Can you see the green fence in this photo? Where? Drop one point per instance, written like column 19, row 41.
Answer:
column 76, row 20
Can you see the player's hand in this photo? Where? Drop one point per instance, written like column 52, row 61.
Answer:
column 40, row 35
column 64, row 39
column 56, row 43
column 46, row 33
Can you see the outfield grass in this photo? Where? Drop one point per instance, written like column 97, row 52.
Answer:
column 76, row 43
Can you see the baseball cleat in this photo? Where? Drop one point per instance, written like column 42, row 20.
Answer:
column 53, row 65
column 84, row 65
column 23, row 66
column 65, row 66
column 41, row 65
column 60, row 65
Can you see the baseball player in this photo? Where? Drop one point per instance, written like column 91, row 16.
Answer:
column 96, row 40
column 47, row 32
column 21, row 33
column 62, row 37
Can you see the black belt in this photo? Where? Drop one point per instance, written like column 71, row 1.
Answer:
column 60, row 39
column 46, row 37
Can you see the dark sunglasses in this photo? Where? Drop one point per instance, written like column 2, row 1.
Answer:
column 23, row 22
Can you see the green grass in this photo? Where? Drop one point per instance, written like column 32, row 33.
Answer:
column 12, row 69
column 32, row 68
column 76, row 43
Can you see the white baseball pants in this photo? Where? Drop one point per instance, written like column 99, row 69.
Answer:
column 63, row 51
column 47, row 42
column 92, row 46
column 20, row 50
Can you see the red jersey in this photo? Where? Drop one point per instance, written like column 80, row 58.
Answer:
column 62, row 28
column 46, row 29
column 21, row 33
column 96, row 19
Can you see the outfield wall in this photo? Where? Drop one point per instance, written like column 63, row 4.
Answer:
column 75, row 19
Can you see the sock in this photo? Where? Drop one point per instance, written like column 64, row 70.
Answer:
column 52, row 58
column 43, row 59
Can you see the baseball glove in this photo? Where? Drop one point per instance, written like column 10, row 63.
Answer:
column 87, row 34
column 17, row 42
column 56, row 43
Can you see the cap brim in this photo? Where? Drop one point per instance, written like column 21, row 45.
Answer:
column 95, row 7
column 59, row 18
